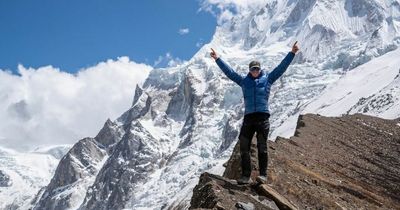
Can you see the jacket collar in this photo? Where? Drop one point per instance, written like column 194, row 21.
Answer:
column 262, row 73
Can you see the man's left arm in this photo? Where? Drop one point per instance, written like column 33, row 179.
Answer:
column 281, row 68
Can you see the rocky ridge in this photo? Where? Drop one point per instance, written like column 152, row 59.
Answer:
column 349, row 162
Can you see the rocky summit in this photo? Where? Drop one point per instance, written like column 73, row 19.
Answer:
column 348, row 162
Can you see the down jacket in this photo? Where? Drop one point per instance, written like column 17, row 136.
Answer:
column 256, row 90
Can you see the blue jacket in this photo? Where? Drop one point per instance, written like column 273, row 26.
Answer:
column 256, row 90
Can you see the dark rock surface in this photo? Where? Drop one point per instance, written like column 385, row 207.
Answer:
column 102, row 172
column 109, row 134
column 78, row 163
column 216, row 192
column 5, row 180
column 142, row 102
column 349, row 162
column 133, row 158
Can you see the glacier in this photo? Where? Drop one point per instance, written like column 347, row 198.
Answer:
column 24, row 174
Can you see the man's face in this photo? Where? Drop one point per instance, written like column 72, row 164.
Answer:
column 255, row 71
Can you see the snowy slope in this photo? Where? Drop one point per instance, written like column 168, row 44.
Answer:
column 185, row 119
column 372, row 88
column 26, row 173
column 328, row 45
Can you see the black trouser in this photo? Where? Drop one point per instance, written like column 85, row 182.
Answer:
column 254, row 123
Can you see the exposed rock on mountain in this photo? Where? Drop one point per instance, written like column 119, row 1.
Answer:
column 349, row 162
column 184, row 119
column 74, row 170
column 136, row 155
column 4, row 179
column 24, row 174
column 216, row 192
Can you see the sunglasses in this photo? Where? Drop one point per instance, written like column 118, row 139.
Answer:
column 255, row 69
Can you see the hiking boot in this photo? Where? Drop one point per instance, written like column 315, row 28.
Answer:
column 262, row 179
column 244, row 180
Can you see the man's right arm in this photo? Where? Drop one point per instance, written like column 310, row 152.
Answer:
column 229, row 72
column 281, row 68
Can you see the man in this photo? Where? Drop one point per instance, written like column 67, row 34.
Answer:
column 256, row 87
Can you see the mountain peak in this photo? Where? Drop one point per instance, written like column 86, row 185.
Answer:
column 184, row 120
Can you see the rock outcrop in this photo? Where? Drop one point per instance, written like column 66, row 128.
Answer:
column 79, row 164
column 216, row 192
column 349, row 162
column 133, row 158
column 5, row 180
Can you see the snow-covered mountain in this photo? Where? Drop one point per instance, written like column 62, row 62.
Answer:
column 184, row 119
column 372, row 88
column 22, row 175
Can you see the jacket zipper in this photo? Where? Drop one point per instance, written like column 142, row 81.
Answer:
column 255, row 85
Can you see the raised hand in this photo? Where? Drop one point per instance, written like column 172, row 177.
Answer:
column 213, row 54
column 295, row 48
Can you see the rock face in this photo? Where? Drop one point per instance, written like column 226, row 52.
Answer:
column 349, row 162
column 4, row 179
column 23, row 174
column 187, row 117
column 133, row 158
column 216, row 192
column 73, row 171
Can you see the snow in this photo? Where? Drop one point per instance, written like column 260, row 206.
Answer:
column 78, row 190
column 45, row 149
column 361, row 82
column 287, row 129
column 28, row 172
column 193, row 146
column 155, row 131
column 199, row 82
column 341, row 96
column 57, row 151
column 339, row 65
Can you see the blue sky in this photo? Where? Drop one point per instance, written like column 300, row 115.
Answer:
column 75, row 34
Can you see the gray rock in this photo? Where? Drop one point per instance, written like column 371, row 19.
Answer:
column 5, row 180
column 133, row 158
column 179, row 106
column 79, row 163
column 109, row 134
column 216, row 192
column 139, row 109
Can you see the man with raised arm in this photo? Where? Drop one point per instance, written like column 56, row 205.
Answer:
column 256, row 86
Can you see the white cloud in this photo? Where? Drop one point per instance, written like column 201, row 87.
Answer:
column 45, row 106
column 224, row 10
column 167, row 60
column 200, row 43
column 239, row 4
column 183, row 31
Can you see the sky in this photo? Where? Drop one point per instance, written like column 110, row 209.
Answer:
column 75, row 34
column 68, row 66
